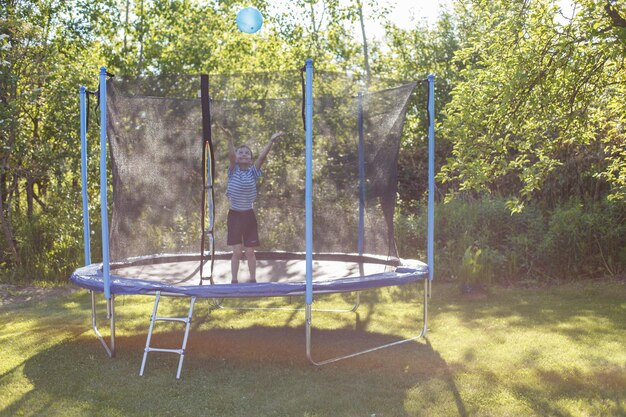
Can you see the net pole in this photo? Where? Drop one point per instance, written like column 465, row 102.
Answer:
column 210, row 195
column 207, row 177
column 361, row 176
column 83, row 172
column 104, row 213
column 431, row 177
column 309, row 180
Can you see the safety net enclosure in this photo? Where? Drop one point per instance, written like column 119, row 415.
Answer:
column 169, row 160
column 156, row 139
column 325, row 204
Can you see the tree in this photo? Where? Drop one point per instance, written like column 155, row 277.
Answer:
column 413, row 54
column 50, row 47
column 529, row 117
column 42, row 43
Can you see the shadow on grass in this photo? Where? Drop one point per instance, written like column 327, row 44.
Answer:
column 262, row 370
column 256, row 371
column 604, row 386
column 589, row 308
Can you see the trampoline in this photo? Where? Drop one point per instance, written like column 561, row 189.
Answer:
column 327, row 208
column 278, row 275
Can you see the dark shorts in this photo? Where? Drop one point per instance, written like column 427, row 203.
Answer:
column 242, row 228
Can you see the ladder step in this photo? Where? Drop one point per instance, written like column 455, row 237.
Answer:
column 181, row 319
column 153, row 349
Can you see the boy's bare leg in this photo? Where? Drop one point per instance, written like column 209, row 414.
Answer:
column 234, row 262
column 251, row 263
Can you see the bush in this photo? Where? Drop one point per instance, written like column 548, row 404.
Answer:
column 48, row 252
column 50, row 245
column 479, row 243
column 585, row 241
column 482, row 242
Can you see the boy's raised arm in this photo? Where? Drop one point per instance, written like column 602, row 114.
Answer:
column 259, row 161
column 232, row 156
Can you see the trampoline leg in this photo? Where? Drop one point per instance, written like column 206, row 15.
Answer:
column 308, row 326
column 357, row 303
column 111, row 316
column 153, row 319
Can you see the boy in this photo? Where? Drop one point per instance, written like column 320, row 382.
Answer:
column 241, row 192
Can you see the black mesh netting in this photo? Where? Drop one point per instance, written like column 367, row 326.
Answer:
column 155, row 133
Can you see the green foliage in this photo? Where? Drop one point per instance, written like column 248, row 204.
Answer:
column 533, row 114
column 49, row 48
column 479, row 266
column 482, row 242
column 44, row 59
column 413, row 54
column 472, row 266
column 529, row 107
column 585, row 240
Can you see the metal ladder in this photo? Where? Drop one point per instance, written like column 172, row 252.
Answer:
column 153, row 319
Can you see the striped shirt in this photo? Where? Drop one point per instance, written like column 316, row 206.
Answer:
column 241, row 190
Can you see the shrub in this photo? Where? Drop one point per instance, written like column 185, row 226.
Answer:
column 482, row 242
column 585, row 240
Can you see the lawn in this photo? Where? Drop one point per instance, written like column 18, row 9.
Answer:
column 555, row 351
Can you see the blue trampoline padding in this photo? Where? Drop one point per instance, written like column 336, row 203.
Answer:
column 91, row 278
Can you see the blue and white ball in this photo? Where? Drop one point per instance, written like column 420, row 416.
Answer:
column 249, row 20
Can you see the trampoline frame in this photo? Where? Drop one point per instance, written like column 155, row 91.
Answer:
column 308, row 309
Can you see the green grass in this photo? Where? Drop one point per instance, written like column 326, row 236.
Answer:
column 557, row 351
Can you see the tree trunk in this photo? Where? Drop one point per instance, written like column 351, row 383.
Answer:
column 141, row 29
column 7, row 229
column 3, row 186
column 365, row 51
column 314, row 27
column 126, row 26
column 616, row 18
column 29, row 198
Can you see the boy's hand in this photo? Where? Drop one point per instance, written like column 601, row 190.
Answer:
column 276, row 136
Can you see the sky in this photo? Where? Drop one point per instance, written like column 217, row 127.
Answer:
column 403, row 13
